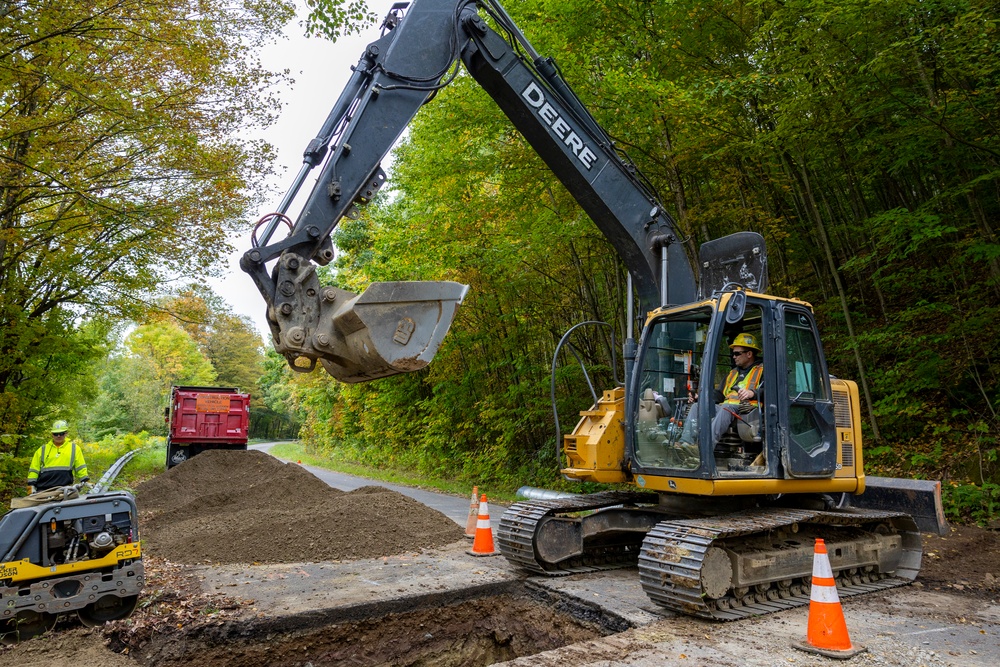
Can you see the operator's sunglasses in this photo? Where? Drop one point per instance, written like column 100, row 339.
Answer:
column 739, row 354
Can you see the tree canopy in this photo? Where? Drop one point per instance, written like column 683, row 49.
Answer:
column 124, row 161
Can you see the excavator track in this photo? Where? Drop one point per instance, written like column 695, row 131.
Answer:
column 520, row 525
column 689, row 565
column 724, row 567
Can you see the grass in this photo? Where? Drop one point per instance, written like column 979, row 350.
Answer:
column 148, row 463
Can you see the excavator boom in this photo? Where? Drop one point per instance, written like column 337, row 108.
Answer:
column 422, row 44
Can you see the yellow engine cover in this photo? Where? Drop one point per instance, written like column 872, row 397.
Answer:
column 25, row 570
column 595, row 450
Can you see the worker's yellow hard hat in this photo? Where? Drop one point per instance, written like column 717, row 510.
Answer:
column 60, row 426
column 745, row 340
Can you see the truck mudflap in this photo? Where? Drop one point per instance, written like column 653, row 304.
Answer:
column 920, row 498
column 760, row 561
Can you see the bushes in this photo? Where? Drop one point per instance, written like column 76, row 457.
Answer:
column 13, row 475
column 971, row 503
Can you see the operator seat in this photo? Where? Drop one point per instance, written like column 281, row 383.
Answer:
column 742, row 443
column 650, row 412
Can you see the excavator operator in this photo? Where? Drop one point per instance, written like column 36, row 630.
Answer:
column 742, row 387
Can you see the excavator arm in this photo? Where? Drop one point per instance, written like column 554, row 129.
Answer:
column 397, row 327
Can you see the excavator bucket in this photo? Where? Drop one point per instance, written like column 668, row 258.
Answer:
column 393, row 327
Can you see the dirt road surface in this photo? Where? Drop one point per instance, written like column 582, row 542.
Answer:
column 251, row 562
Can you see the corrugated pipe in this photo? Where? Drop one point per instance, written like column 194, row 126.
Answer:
column 533, row 493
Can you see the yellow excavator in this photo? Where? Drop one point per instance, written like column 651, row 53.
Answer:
column 721, row 524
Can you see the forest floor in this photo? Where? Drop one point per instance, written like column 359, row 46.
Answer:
column 256, row 562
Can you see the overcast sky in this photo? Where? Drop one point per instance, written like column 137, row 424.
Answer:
column 320, row 70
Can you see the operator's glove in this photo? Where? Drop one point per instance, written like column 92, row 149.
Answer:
column 31, row 490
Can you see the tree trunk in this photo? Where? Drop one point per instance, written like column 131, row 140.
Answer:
column 832, row 265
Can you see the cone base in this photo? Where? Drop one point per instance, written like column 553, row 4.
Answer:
column 488, row 553
column 846, row 654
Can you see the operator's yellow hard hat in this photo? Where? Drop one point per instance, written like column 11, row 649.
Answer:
column 60, row 426
column 745, row 340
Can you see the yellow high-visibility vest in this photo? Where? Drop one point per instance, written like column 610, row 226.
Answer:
column 53, row 466
column 750, row 381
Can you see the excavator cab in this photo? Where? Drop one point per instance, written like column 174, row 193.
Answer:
column 684, row 359
column 799, row 434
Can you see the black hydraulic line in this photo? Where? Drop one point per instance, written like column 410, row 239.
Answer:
column 317, row 148
column 586, row 375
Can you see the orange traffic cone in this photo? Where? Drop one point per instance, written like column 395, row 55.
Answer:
column 483, row 544
column 827, row 631
column 470, row 525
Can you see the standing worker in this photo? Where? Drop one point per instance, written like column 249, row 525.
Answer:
column 55, row 463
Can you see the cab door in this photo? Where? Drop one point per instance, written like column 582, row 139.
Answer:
column 807, row 430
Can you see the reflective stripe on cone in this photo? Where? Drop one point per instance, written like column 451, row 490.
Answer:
column 470, row 524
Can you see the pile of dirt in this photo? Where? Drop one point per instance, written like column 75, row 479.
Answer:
column 248, row 507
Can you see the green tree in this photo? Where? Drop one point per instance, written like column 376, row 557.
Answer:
column 175, row 358
column 129, row 399
column 124, row 158
column 135, row 381
column 229, row 341
column 63, row 372
column 235, row 351
column 278, row 415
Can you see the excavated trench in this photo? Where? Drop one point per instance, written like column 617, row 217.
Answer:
column 464, row 628
column 366, row 577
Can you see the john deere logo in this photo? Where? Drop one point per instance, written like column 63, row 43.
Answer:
column 535, row 97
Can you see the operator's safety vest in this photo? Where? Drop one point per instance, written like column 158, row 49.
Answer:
column 52, row 469
column 750, row 381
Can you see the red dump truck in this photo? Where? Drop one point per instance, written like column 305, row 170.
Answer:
column 200, row 418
